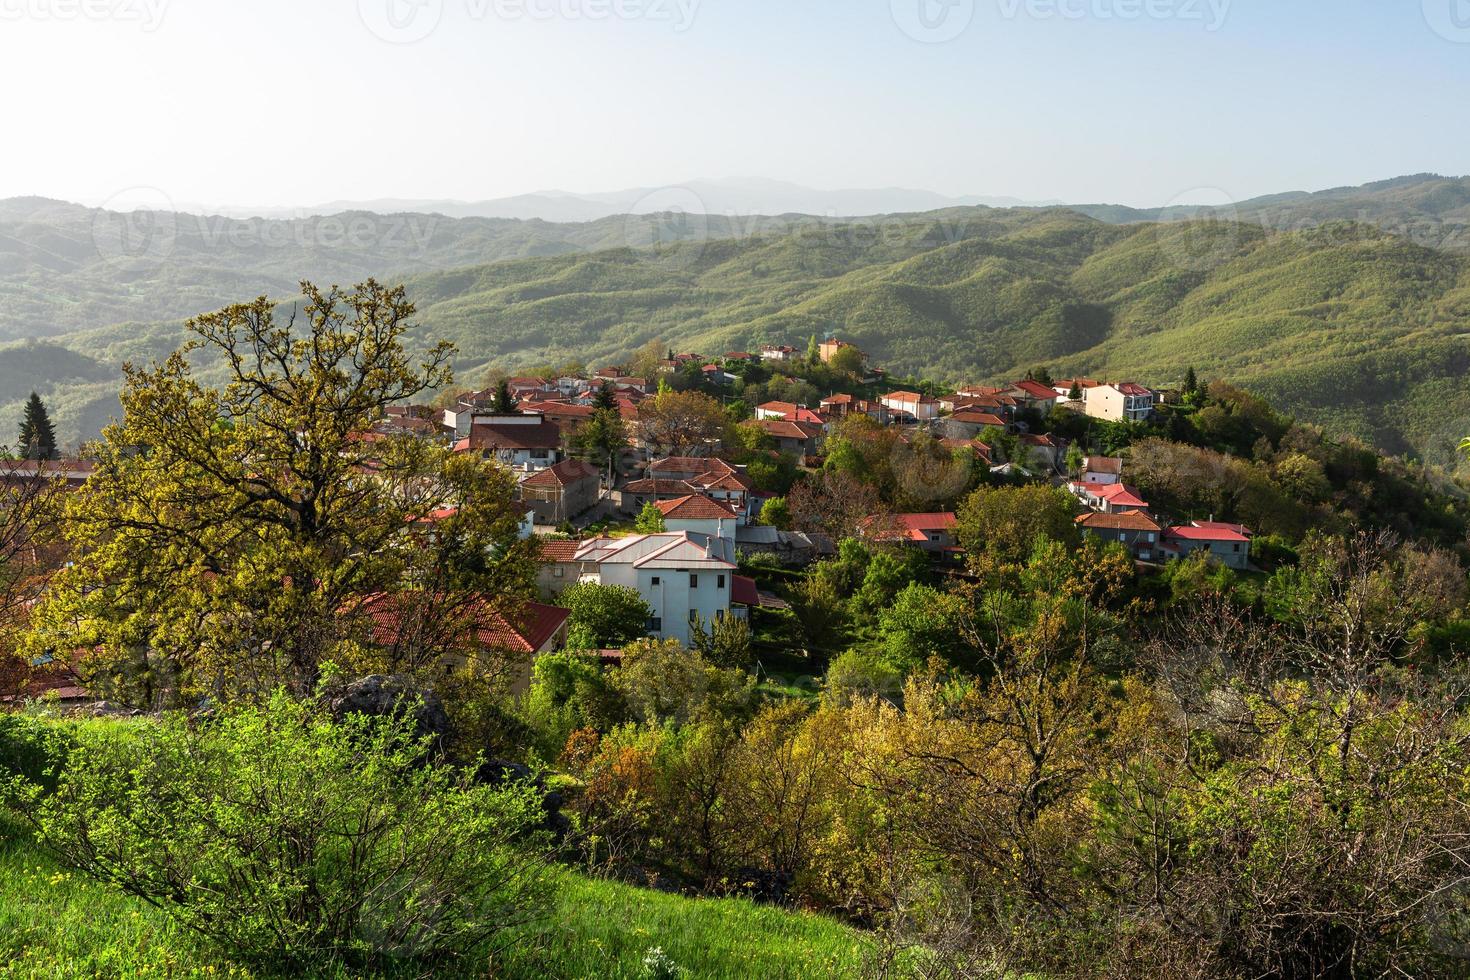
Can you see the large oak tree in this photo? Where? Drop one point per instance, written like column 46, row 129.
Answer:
column 230, row 533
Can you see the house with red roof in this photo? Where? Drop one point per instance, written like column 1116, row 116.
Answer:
column 524, row 441
column 1108, row 498
column 799, row 439
column 968, row 423
column 697, row 512
column 1066, row 385
column 1134, row 529
column 1102, row 469
column 562, row 492
column 933, row 532
column 788, row 411
column 1035, row 395
column 910, row 406
column 465, row 630
column 1040, row 451
column 1230, row 544
column 840, row 406
column 570, row 419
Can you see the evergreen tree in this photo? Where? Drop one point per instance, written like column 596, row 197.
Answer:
column 604, row 398
column 37, row 437
column 1191, row 382
column 1075, row 393
column 503, row 404
column 813, row 351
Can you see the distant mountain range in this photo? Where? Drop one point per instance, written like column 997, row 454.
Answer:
column 739, row 196
column 1358, row 329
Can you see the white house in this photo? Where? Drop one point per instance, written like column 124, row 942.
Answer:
column 1124, row 401
column 911, row 405
column 700, row 514
column 680, row 574
column 1102, row 469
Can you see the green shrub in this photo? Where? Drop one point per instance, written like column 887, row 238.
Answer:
column 286, row 838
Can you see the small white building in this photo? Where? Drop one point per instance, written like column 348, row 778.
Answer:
column 700, row 514
column 1102, row 469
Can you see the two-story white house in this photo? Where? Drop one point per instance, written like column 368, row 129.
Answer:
column 910, row 406
column 682, row 575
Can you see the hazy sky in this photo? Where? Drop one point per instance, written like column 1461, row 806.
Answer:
column 296, row 102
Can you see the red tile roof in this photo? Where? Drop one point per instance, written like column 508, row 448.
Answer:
column 689, row 464
column 1037, row 390
column 784, row 429
column 967, row 417
column 484, row 435
column 1103, row 464
column 695, row 507
column 524, row 631
column 715, row 480
column 567, row 472
column 1132, row 520
column 1189, row 533
column 657, row 485
column 557, row 551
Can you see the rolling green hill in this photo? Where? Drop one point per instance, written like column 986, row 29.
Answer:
column 1359, row 330
column 1428, row 209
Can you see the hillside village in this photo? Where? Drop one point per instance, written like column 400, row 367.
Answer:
column 710, row 509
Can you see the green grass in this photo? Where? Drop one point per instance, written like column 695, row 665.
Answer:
column 54, row 923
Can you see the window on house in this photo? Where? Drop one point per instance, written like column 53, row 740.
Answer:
column 558, row 573
column 655, row 624
column 655, row 580
column 694, row 581
column 720, row 582
column 538, row 454
column 694, row 615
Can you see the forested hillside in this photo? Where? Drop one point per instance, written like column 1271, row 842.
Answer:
column 1344, row 325
column 1428, row 209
